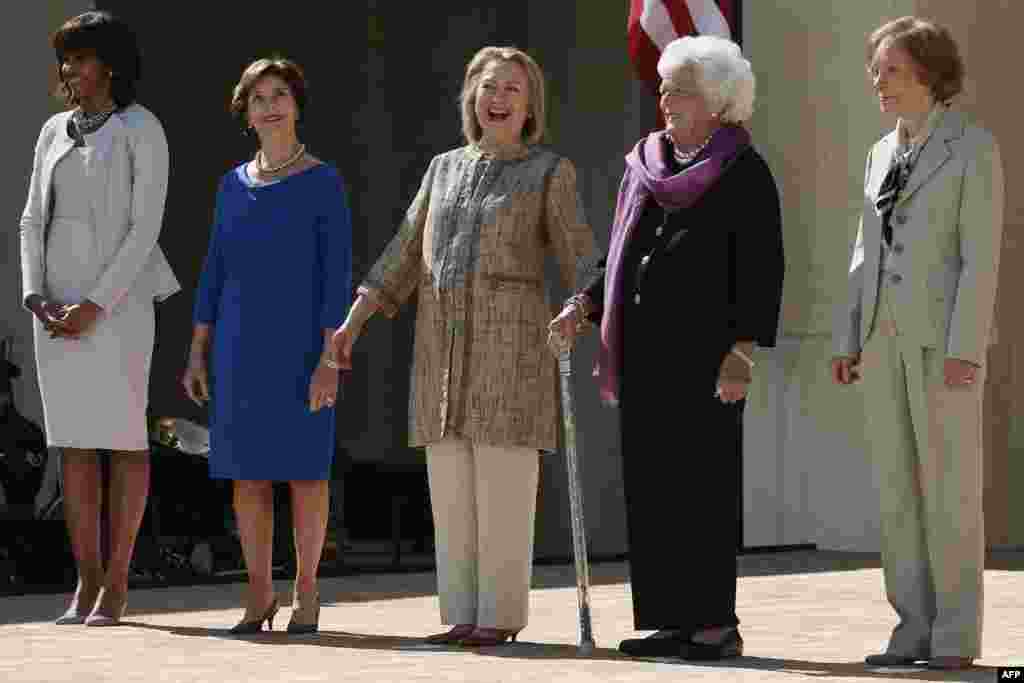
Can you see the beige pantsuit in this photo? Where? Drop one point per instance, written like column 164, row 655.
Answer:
column 929, row 471
column 926, row 298
column 484, row 499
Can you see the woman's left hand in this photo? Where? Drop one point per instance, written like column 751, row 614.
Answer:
column 731, row 391
column 734, row 377
column 959, row 373
column 323, row 388
column 74, row 320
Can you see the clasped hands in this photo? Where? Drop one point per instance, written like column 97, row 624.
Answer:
column 65, row 321
column 956, row 373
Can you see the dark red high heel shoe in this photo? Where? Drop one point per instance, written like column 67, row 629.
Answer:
column 451, row 637
column 489, row 637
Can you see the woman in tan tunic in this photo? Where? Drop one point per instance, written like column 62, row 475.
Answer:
column 473, row 245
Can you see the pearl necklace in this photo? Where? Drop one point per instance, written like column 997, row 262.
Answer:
column 261, row 161
column 685, row 158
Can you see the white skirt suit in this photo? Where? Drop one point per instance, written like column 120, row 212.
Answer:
column 89, row 231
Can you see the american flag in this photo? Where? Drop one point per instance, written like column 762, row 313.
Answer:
column 653, row 24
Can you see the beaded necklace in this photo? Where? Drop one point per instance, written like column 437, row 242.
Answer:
column 90, row 123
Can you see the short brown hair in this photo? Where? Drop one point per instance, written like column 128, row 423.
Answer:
column 285, row 69
column 535, row 126
column 932, row 49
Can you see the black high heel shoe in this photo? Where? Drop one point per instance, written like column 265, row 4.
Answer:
column 247, row 628
column 305, row 614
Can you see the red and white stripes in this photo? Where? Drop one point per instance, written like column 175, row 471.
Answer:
column 653, row 24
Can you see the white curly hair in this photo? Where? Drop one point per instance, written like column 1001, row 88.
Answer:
column 723, row 74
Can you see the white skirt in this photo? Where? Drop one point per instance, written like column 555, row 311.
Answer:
column 95, row 390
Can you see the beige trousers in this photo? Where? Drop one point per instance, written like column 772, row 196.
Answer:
column 926, row 446
column 484, row 499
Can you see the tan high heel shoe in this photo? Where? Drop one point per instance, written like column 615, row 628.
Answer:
column 305, row 614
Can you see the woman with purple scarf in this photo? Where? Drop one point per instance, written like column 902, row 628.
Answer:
column 697, row 242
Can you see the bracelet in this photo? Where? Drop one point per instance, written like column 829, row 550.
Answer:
column 578, row 303
column 332, row 364
column 746, row 359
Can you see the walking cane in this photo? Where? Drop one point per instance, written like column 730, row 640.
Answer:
column 579, row 531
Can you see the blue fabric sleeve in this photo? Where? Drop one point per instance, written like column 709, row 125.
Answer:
column 335, row 235
column 211, row 280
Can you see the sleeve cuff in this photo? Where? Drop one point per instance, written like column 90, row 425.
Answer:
column 377, row 296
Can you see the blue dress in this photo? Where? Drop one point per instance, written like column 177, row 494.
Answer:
column 278, row 271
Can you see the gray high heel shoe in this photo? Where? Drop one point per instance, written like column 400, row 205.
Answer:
column 73, row 616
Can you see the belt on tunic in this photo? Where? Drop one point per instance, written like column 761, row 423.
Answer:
column 511, row 282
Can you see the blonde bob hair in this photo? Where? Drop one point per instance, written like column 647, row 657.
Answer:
column 723, row 74
column 534, row 127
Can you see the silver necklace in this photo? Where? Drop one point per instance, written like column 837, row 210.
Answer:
column 86, row 123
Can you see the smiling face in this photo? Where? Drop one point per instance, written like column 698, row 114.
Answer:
column 502, row 101
column 87, row 76
column 897, row 84
column 271, row 107
column 688, row 118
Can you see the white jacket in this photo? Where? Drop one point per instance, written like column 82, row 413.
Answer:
column 131, row 154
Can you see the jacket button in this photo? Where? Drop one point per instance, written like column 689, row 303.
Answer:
column 898, row 248
column 636, row 299
column 896, row 278
column 659, row 231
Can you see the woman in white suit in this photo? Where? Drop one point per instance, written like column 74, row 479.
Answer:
column 917, row 325
column 91, row 272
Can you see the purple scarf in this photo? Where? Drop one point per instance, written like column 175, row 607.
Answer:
column 648, row 174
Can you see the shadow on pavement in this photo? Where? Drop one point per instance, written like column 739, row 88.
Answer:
column 377, row 587
column 543, row 651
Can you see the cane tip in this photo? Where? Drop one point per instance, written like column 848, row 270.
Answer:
column 585, row 649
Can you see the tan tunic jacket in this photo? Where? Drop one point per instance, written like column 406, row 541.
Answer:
column 473, row 245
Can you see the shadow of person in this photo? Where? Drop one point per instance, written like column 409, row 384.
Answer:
column 562, row 651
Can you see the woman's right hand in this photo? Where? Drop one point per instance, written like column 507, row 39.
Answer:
column 196, row 379
column 846, row 369
column 562, row 330
column 47, row 312
column 342, row 341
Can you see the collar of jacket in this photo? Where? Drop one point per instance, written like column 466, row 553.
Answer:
column 949, row 128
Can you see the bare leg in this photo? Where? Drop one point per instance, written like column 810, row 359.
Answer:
column 309, row 521
column 82, row 485
column 254, row 511
column 129, row 490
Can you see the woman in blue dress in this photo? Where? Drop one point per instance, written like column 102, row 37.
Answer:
column 276, row 284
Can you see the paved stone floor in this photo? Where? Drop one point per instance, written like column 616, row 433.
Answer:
column 806, row 616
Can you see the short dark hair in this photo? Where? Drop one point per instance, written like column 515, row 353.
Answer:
column 285, row 69
column 115, row 45
column 932, row 49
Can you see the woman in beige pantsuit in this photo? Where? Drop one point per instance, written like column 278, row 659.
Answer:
column 91, row 270
column 473, row 247
column 917, row 326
